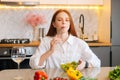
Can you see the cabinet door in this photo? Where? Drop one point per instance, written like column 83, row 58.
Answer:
column 115, row 55
column 53, row 1
column 21, row 0
column 115, row 22
column 103, row 54
column 67, row 2
column 86, row 2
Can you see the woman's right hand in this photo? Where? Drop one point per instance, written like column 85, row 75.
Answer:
column 54, row 42
column 49, row 52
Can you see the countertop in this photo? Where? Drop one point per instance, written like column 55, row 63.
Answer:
column 31, row 44
column 36, row 43
column 28, row 74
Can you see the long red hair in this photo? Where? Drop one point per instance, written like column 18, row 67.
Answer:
column 52, row 31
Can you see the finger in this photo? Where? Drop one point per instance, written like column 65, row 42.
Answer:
column 53, row 42
column 80, row 61
column 57, row 40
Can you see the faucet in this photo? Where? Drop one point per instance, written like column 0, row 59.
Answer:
column 81, row 25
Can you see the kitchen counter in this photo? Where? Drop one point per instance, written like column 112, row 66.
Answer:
column 99, row 44
column 28, row 74
column 31, row 44
column 36, row 43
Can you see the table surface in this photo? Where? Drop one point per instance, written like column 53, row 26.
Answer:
column 28, row 74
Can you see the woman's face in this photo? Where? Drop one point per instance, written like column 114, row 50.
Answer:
column 62, row 22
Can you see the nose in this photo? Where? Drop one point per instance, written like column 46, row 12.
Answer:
column 63, row 21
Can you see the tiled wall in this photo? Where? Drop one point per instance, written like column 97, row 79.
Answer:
column 13, row 25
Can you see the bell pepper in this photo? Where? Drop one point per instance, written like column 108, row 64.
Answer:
column 40, row 75
column 74, row 74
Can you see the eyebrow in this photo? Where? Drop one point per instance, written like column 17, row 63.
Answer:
column 61, row 17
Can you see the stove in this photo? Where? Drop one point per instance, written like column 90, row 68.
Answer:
column 14, row 41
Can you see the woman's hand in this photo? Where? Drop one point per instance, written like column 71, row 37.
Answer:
column 81, row 65
column 54, row 42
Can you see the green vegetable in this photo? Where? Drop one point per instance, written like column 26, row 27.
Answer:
column 115, row 73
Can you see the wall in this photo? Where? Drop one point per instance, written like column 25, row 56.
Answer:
column 13, row 24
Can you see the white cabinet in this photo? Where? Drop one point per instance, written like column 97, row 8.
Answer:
column 53, row 2
column 20, row 0
column 86, row 2
column 65, row 2
column 73, row 2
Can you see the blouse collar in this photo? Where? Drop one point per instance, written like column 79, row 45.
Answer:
column 70, row 39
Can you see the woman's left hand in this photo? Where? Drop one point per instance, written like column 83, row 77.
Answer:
column 81, row 65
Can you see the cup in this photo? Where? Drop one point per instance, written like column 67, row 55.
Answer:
column 41, row 33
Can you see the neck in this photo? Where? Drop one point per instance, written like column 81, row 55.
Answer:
column 63, row 36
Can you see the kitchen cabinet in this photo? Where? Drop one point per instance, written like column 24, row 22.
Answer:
column 115, row 55
column 115, row 32
column 115, row 22
column 72, row 2
column 86, row 2
column 21, row 0
column 79, row 2
column 53, row 2
column 103, row 54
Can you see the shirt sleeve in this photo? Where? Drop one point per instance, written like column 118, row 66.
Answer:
column 35, row 58
column 89, row 56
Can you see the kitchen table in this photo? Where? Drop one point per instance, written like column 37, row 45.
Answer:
column 28, row 74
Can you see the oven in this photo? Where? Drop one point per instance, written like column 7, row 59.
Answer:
column 7, row 63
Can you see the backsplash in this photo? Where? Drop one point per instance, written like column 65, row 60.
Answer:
column 13, row 24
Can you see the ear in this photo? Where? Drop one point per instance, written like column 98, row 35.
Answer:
column 53, row 23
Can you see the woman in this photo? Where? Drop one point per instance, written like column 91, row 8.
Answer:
column 61, row 45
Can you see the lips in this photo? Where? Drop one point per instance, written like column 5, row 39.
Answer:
column 63, row 27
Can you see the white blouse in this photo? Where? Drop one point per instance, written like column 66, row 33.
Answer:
column 73, row 49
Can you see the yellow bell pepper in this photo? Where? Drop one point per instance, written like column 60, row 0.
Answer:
column 74, row 74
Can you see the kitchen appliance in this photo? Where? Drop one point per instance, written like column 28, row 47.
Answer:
column 5, row 52
column 6, row 61
column 14, row 41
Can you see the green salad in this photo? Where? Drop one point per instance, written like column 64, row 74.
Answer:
column 66, row 66
column 115, row 73
column 74, row 65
